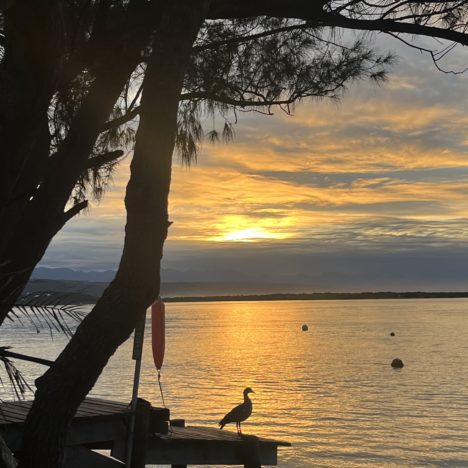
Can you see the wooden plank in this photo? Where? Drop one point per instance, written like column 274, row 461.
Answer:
column 111, row 406
column 90, row 412
column 11, row 412
column 21, row 405
column 208, row 433
column 117, row 405
column 11, row 416
column 89, row 408
column 96, row 411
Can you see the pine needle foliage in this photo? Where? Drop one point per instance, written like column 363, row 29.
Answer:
column 237, row 66
column 240, row 65
column 262, row 64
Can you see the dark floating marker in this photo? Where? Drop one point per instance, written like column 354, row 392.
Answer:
column 305, row 327
column 392, row 333
column 397, row 363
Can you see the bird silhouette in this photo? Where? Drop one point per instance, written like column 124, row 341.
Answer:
column 239, row 413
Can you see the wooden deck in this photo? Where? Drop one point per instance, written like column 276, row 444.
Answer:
column 103, row 424
column 207, row 446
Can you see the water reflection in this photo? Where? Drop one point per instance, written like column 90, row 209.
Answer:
column 329, row 391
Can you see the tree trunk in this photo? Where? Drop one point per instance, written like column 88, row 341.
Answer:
column 28, row 73
column 32, row 226
column 61, row 389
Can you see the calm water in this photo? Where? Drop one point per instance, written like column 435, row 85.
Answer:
column 330, row 391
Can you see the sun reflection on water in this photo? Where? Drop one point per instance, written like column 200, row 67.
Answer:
column 330, row 391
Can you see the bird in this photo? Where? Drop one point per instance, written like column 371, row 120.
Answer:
column 239, row 413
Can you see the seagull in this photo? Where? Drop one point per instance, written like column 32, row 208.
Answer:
column 239, row 413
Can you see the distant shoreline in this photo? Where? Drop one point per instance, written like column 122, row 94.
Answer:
column 319, row 296
column 84, row 292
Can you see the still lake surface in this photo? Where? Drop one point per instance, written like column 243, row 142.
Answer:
column 330, row 391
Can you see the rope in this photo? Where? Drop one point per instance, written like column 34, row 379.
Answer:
column 160, row 388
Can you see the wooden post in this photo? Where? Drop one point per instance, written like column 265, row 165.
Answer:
column 141, row 433
column 136, row 356
column 178, row 423
column 251, row 451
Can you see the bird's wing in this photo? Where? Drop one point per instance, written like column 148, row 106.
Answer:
column 233, row 415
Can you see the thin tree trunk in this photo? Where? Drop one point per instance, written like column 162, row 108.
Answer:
column 33, row 225
column 61, row 389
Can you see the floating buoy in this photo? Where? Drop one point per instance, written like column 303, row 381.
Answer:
column 397, row 363
column 305, row 327
column 392, row 334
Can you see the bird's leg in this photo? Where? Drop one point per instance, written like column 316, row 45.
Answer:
column 240, row 429
column 237, row 427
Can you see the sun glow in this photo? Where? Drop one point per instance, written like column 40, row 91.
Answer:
column 250, row 235
column 239, row 229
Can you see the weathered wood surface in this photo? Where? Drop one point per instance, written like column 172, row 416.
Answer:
column 208, row 446
column 13, row 412
column 209, row 433
column 97, row 423
column 103, row 424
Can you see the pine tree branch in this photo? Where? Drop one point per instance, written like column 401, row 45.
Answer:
column 74, row 210
column 390, row 26
column 241, row 39
column 313, row 12
column 200, row 95
column 104, row 158
column 130, row 115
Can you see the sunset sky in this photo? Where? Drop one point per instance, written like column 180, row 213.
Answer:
column 369, row 193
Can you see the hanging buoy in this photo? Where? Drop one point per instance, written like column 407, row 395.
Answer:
column 158, row 328
column 158, row 335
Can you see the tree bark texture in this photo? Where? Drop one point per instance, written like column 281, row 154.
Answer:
column 32, row 225
column 62, row 388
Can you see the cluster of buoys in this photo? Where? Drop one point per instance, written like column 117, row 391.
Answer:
column 397, row 363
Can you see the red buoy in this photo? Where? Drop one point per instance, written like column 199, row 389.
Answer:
column 158, row 325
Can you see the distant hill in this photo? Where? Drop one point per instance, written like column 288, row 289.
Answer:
column 174, row 283
column 72, row 275
column 86, row 292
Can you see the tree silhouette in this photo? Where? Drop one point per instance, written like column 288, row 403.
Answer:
column 92, row 89
column 187, row 57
